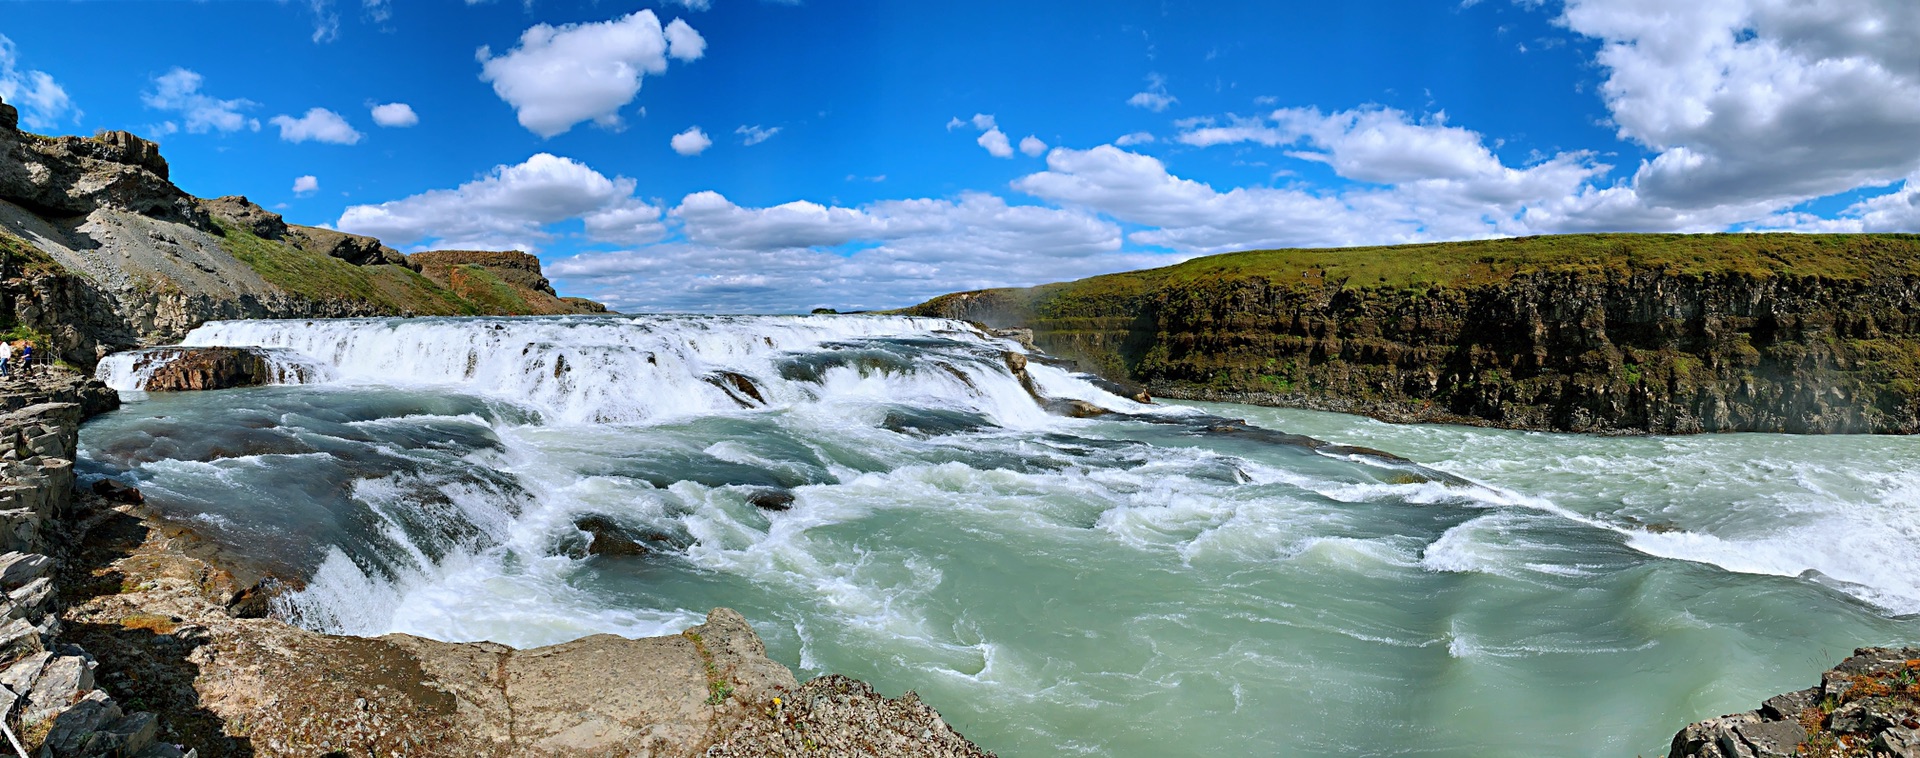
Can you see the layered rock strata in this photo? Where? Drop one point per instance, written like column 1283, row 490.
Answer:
column 1663, row 334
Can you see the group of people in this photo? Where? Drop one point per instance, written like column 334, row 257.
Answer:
column 16, row 354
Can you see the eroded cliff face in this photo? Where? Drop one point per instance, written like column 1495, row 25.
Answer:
column 1611, row 350
column 100, row 252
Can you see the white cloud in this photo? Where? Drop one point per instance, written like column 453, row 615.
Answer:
column 378, row 11
column 1032, row 146
column 995, row 141
column 558, row 77
column 695, row 5
column 1759, row 101
column 1135, row 138
column 395, row 115
column 754, row 135
column 42, row 102
column 319, row 125
column 980, row 121
column 1155, row 97
column 511, row 208
column 1384, row 146
column 178, row 91
column 306, row 185
column 691, row 142
column 770, row 259
column 326, row 23
column 683, row 43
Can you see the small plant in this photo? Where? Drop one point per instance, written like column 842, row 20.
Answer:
column 718, row 688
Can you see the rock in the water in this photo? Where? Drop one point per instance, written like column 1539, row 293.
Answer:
column 116, row 492
column 609, row 538
column 767, row 499
column 211, row 368
column 1075, row 409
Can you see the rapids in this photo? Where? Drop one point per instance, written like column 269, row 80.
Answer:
column 1136, row 584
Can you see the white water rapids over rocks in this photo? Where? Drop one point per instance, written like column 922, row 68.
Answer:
column 1136, row 584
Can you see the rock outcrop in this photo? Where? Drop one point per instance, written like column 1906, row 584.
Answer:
column 1665, row 334
column 508, row 281
column 50, row 690
column 100, row 252
column 1869, row 705
column 211, row 368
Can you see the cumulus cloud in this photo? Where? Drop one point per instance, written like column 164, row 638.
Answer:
column 559, row 77
column 683, row 43
column 395, row 115
column 319, row 125
column 1154, row 97
column 1385, row 146
column 511, row 208
column 42, row 102
column 995, row 141
column 306, row 185
column 178, row 91
column 779, row 258
column 754, row 135
column 1759, row 101
column 1135, row 138
column 1032, row 146
column 693, row 141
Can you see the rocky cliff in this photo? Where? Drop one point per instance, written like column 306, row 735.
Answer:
column 99, row 252
column 1612, row 333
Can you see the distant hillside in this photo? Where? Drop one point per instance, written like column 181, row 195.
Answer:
column 99, row 252
column 1592, row 333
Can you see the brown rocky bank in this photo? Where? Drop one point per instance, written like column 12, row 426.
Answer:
column 101, row 252
column 1613, row 333
column 1868, row 706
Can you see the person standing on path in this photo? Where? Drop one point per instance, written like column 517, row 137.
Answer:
column 26, row 359
column 6, row 357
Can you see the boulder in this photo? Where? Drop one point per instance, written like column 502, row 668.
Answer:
column 353, row 248
column 609, row 538
column 240, row 212
column 211, row 368
column 115, row 492
column 769, row 499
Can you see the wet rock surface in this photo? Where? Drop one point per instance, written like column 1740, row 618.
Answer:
column 211, row 368
column 1867, row 706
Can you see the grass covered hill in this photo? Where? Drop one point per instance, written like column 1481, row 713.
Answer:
column 1598, row 333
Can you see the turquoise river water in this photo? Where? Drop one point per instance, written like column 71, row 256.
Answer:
column 1128, row 585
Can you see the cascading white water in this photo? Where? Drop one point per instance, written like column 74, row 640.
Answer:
column 633, row 369
column 130, row 371
column 1135, row 584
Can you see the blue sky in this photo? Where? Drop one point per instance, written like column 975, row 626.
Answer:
column 753, row 155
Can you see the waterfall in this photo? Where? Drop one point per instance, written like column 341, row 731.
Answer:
column 597, row 370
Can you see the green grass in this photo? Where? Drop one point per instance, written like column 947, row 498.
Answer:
column 488, row 292
column 1423, row 269
column 323, row 277
column 19, row 257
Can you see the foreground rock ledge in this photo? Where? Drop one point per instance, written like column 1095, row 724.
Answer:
column 158, row 618
column 1869, row 705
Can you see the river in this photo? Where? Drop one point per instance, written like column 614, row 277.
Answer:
column 1145, row 583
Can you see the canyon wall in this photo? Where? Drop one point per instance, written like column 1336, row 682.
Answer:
column 1662, row 334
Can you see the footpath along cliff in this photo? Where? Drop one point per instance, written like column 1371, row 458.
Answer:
column 1606, row 333
column 100, row 252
